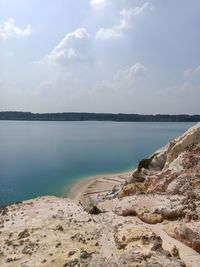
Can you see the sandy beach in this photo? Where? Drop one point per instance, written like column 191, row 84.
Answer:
column 97, row 185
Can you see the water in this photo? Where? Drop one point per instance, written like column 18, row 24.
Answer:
column 45, row 158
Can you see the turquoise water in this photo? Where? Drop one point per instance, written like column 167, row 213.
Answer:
column 42, row 158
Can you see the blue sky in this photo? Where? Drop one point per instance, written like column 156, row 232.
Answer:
column 130, row 56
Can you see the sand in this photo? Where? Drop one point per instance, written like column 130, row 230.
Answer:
column 97, row 185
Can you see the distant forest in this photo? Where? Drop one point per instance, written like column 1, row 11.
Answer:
column 76, row 116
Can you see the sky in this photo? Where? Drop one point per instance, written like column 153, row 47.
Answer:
column 115, row 56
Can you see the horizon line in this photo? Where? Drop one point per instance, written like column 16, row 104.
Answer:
column 105, row 113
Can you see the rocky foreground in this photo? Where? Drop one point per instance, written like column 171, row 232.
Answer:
column 150, row 219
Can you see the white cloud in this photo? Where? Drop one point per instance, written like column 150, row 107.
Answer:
column 192, row 71
column 9, row 30
column 109, row 33
column 71, row 48
column 99, row 3
column 137, row 70
column 124, row 79
column 140, row 9
column 122, row 92
column 126, row 15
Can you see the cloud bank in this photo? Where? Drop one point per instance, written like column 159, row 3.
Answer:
column 115, row 56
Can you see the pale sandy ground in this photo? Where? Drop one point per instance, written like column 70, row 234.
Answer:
column 57, row 227
column 97, row 185
column 102, row 184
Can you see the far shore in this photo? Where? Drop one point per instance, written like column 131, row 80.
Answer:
column 97, row 185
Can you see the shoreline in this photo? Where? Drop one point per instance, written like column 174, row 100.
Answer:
column 97, row 185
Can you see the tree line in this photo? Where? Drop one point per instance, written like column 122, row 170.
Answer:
column 80, row 116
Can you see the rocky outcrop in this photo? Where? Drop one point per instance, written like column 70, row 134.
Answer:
column 174, row 173
column 175, row 169
column 163, row 158
column 176, row 147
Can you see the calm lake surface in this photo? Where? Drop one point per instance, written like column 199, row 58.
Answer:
column 46, row 158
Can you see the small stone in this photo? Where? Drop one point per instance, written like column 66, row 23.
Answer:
column 60, row 228
column 71, row 263
column 10, row 235
column 175, row 252
column 84, row 254
column 28, row 249
column 23, row 234
column 72, row 252
column 12, row 259
column 58, row 245
column 95, row 210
